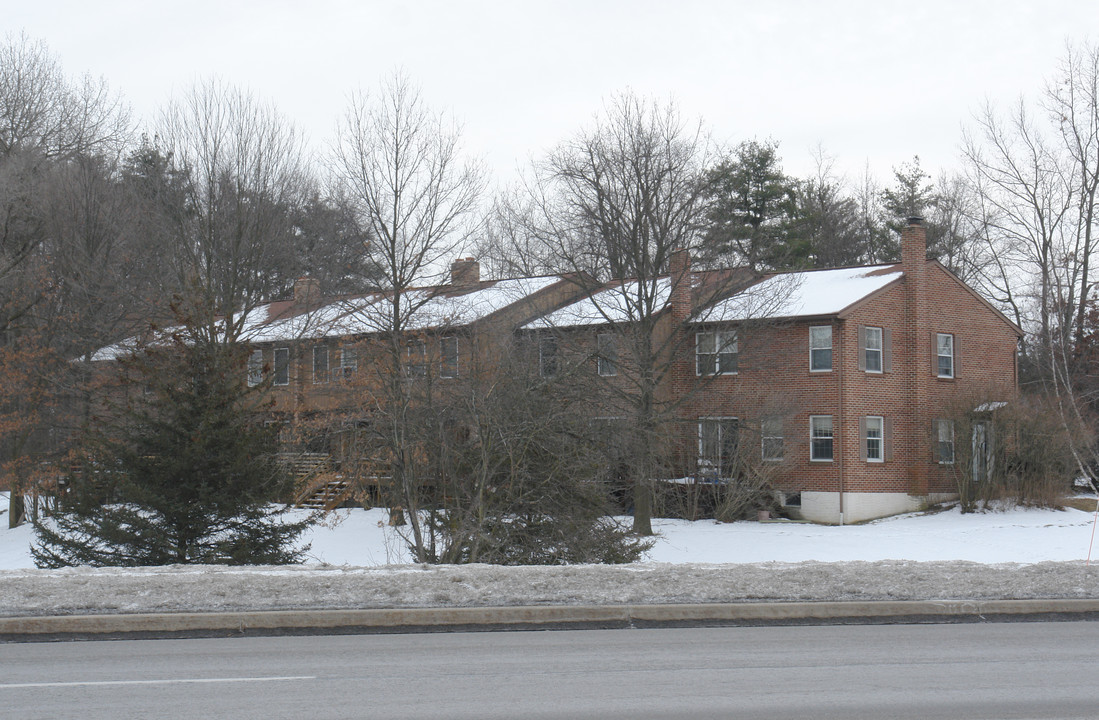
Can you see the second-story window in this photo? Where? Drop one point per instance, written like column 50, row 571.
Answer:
column 820, row 348
column 716, row 352
column 607, row 347
column 349, row 362
column 255, row 368
column 282, row 366
column 320, row 364
column 547, row 356
column 417, row 358
column 944, row 351
column 448, row 356
column 872, row 349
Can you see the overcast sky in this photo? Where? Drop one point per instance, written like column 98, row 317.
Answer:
column 870, row 82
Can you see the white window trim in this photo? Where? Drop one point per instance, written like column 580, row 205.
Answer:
column 345, row 369
column 255, row 370
column 880, row 350
column 831, row 347
column 720, row 441
column 812, row 437
column 880, row 438
column 716, row 354
column 938, row 372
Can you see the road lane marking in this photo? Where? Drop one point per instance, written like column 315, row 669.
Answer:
column 173, row 681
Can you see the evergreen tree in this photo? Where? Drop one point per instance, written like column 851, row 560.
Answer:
column 912, row 195
column 753, row 210
column 179, row 470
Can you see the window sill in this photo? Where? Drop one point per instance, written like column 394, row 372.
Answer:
column 811, row 370
column 821, row 460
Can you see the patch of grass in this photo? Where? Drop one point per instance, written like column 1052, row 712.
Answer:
column 1080, row 503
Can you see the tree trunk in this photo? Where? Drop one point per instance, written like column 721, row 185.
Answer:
column 642, row 506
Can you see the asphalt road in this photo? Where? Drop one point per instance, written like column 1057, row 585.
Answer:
column 998, row 670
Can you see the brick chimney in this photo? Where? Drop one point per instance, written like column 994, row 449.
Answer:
column 679, row 269
column 913, row 244
column 918, row 332
column 465, row 272
column 307, row 292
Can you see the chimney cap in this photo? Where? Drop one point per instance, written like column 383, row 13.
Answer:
column 915, row 221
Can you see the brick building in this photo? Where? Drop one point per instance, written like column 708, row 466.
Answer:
column 840, row 383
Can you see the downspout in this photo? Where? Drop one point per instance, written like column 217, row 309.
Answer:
column 842, row 414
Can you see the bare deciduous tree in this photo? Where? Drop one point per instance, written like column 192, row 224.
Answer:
column 399, row 164
column 615, row 203
column 243, row 172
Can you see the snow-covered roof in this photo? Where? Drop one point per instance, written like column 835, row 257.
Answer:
column 616, row 304
column 801, row 294
column 361, row 315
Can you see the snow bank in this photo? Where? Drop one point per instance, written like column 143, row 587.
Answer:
column 355, row 563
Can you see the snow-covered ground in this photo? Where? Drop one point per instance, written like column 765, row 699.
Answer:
column 357, row 561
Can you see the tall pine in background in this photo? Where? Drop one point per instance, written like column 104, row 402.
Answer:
column 178, row 467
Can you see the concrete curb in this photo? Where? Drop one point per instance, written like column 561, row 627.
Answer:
column 533, row 617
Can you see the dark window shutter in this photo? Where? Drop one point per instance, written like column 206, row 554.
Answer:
column 935, row 354
column 956, row 353
column 936, row 455
column 862, row 437
column 862, row 347
column 887, row 350
column 887, row 439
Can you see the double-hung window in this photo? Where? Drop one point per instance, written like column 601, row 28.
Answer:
column 873, row 438
column 716, row 352
column 255, row 368
column 820, row 348
column 320, row 364
column 944, row 352
column 944, row 442
column 349, row 362
column 416, row 354
column 282, row 366
column 770, row 431
column 872, row 349
column 821, row 438
column 607, row 348
column 717, row 446
column 448, row 356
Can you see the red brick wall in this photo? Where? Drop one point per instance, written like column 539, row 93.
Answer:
column 774, row 379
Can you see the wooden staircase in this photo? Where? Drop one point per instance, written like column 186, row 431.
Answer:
column 318, row 486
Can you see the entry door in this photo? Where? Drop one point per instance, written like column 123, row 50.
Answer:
column 982, row 452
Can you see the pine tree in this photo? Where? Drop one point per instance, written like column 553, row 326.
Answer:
column 178, row 470
column 753, row 210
